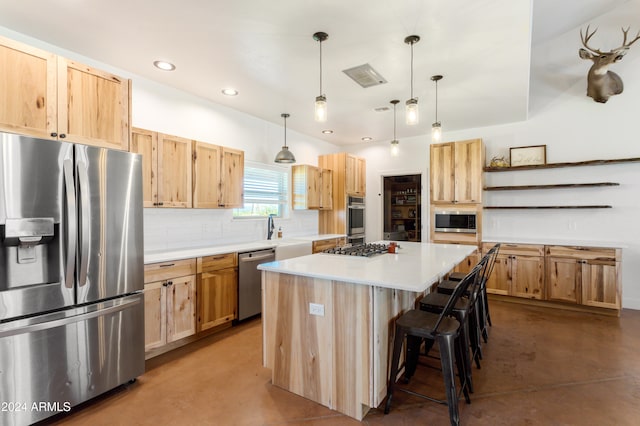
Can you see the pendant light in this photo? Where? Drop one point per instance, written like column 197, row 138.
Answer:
column 321, row 101
column 436, row 128
column 285, row 156
column 411, row 111
column 395, row 143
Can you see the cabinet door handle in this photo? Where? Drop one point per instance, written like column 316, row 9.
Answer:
column 62, row 136
column 166, row 265
column 169, row 282
column 164, row 284
column 161, row 204
column 54, row 135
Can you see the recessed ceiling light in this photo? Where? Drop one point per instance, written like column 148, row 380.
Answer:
column 327, row 132
column 163, row 65
column 367, row 138
column 229, row 92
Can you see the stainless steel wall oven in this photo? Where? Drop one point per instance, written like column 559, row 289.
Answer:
column 355, row 219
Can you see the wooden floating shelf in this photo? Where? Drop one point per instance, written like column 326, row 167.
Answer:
column 562, row 185
column 544, row 207
column 556, row 165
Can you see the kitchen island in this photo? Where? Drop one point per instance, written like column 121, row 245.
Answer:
column 328, row 320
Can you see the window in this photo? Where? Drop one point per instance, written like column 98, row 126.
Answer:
column 265, row 191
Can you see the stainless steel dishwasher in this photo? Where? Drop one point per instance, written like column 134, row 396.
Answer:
column 250, row 280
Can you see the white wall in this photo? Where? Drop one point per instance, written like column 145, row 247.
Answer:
column 574, row 128
column 168, row 110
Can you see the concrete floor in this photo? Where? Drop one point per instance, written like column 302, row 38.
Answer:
column 541, row 367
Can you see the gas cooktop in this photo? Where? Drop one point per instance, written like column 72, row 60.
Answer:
column 363, row 250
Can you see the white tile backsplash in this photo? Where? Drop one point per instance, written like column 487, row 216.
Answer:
column 168, row 229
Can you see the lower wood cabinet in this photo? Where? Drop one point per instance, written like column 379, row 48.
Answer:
column 321, row 245
column 217, row 290
column 169, row 301
column 518, row 270
column 584, row 275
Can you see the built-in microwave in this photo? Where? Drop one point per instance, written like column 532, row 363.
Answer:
column 455, row 221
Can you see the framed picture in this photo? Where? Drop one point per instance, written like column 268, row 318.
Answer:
column 528, row 155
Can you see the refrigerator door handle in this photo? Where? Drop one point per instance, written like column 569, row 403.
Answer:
column 85, row 215
column 72, row 223
column 70, row 320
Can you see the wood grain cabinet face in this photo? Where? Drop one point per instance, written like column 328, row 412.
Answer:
column 48, row 96
column 217, row 290
column 218, row 176
column 518, row 271
column 456, row 172
column 356, row 175
column 322, row 245
column 587, row 276
column 166, row 168
column 311, row 188
column 169, row 300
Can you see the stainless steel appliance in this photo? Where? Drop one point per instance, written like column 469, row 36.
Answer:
column 71, row 274
column 250, row 281
column 355, row 220
column 362, row 250
column 455, row 221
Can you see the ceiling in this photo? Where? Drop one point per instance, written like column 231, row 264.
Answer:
column 266, row 51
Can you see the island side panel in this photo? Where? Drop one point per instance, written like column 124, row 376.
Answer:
column 352, row 348
column 388, row 305
column 298, row 344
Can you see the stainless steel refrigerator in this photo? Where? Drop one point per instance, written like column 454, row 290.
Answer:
column 71, row 275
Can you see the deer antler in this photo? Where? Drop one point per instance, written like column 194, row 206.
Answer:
column 586, row 37
column 624, row 41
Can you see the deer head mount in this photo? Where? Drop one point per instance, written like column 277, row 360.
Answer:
column 602, row 83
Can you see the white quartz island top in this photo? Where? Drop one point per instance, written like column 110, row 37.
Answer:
column 414, row 268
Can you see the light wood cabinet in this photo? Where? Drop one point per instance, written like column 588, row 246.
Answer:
column 321, row 245
column 166, row 168
column 169, row 299
column 48, row 96
column 348, row 178
column 217, row 290
column 518, row 271
column 356, row 175
column 218, row 176
column 456, row 172
column 586, row 276
column 311, row 187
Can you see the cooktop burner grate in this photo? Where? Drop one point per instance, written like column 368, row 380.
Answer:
column 363, row 250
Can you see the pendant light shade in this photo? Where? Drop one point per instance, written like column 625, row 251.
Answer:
column 412, row 114
column 321, row 100
column 285, row 156
column 436, row 127
column 395, row 143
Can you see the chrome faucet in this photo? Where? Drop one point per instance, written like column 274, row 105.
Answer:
column 270, row 226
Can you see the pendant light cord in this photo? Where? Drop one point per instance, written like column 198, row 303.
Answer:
column 320, row 67
column 412, row 69
column 436, row 101
column 394, row 122
column 285, row 131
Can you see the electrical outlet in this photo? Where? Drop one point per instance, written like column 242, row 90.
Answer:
column 316, row 309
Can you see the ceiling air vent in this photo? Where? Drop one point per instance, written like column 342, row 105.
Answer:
column 365, row 76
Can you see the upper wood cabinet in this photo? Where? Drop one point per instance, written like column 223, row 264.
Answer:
column 48, row 96
column 356, row 175
column 456, row 172
column 348, row 178
column 166, row 168
column 218, row 176
column 312, row 187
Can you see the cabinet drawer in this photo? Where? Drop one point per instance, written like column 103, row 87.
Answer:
column 217, row 262
column 171, row 269
column 584, row 253
column 516, row 249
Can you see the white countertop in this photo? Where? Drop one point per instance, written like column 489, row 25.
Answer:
column 414, row 268
column 188, row 253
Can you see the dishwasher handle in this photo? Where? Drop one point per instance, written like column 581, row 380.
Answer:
column 270, row 255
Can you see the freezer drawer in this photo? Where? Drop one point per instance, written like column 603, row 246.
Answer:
column 55, row 361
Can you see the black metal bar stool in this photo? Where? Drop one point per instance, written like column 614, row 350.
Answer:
column 417, row 325
column 447, row 286
column 466, row 313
